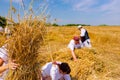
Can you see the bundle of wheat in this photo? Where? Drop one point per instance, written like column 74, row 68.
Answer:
column 23, row 46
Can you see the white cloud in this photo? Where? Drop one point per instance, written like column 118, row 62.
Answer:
column 84, row 5
column 81, row 5
column 111, row 7
column 14, row 1
column 107, row 11
column 17, row 1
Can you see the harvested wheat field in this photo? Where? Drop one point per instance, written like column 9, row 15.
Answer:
column 101, row 62
column 35, row 38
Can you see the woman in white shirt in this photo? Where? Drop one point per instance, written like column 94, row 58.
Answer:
column 56, row 71
column 74, row 43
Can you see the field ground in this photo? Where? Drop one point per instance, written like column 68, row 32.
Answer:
column 101, row 62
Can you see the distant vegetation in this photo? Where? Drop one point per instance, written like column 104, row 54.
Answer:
column 3, row 21
column 103, row 25
column 76, row 25
column 55, row 24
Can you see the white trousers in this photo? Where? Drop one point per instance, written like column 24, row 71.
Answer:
column 87, row 43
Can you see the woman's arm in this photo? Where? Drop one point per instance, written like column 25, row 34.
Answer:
column 10, row 65
column 2, row 68
column 73, row 55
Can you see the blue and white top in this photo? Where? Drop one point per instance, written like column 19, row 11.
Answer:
column 4, row 57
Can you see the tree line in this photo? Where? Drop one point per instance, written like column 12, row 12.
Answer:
column 3, row 22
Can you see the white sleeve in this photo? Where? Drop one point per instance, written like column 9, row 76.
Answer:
column 46, row 69
column 82, row 32
column 71, row 45
column 53, row 72
column 3, row 54
column 67, row 77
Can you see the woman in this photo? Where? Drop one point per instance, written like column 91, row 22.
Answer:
column 5, row 64
column 56, row 71
column 75, row 43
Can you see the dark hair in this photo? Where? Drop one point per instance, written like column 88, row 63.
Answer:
column 65, row 67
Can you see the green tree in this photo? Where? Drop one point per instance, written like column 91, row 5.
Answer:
column 3, row 21
column 55, row 24
column 103, row 25
column 76, row 25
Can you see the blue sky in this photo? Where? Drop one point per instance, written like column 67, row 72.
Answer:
column 93, row 12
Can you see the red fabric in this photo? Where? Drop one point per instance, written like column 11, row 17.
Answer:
column 76, row 38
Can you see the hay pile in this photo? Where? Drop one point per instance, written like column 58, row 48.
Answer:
column 27, row 37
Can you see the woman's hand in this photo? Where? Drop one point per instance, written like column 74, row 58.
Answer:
column 12, row 65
